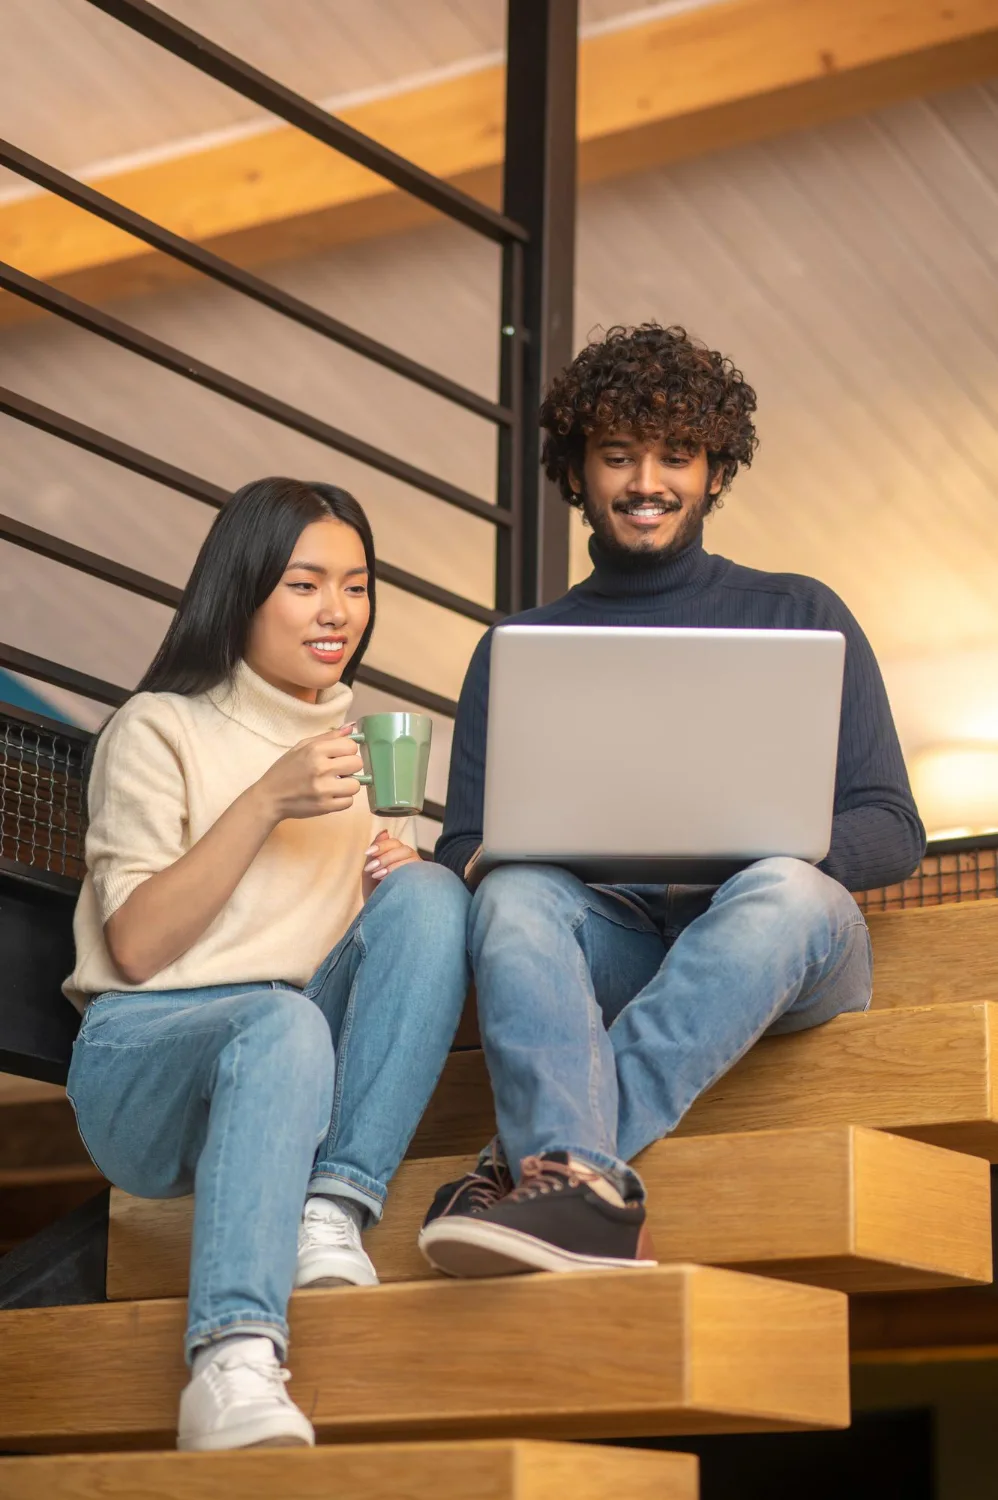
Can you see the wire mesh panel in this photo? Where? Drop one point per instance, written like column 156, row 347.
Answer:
column 42, row 820
column 964, row 870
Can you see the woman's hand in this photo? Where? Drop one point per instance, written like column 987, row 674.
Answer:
column 385, row 855
column 318, row 776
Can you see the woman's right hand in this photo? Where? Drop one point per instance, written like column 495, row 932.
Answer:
column 316, row 777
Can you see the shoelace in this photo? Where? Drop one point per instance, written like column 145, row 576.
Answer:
column 538, row 1176
column 318, row 1230
column 482, row 1192
column 245, row 1378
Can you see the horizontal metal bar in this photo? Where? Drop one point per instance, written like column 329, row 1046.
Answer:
column 264, row 292
column 16, row 660
column 413, row 584
column 14, row 711
column 12, row 404
column 407, row 691
column 47, row 880
column 965, row 845
column 38, row 667
column 95, row 320
column 434, row 810
column 88, row 562
column 104, row 568
column 208, row 57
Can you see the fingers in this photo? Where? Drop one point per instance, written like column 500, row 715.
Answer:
column 336, row 792
column 389, row 856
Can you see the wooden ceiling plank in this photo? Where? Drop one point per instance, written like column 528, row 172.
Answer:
column 666, row 90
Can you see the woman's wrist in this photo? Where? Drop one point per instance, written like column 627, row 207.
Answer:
column 261, row 806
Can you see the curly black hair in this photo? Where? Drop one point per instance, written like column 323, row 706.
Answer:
column 653, row 382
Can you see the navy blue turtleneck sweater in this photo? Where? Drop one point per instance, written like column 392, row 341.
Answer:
column 877, row 837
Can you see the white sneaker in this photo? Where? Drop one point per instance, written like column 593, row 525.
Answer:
column 238, row 1400
column 329, row 1248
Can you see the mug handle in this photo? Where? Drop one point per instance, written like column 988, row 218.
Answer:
column 361, row 740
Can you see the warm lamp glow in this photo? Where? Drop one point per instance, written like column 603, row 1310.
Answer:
column 956, row 788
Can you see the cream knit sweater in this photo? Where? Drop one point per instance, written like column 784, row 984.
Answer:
column 165, row 769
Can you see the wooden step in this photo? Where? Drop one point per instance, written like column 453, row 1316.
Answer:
column 935, row 955
column 841, row 1206
column 930, row 1072
column 392, row 1471
column 676, row 1349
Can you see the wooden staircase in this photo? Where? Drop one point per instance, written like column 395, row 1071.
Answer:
column 850, row 1159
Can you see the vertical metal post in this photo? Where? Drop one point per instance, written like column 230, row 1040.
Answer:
column 540, row 194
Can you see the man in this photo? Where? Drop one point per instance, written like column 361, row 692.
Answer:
column 605, row 1012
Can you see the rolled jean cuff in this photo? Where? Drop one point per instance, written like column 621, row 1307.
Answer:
column 331, row 1181
column 624, row 1178
column 236, row 1325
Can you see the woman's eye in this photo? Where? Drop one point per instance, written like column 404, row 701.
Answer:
column 303, row 587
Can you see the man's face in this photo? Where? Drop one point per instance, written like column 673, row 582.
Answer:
column 644, row 500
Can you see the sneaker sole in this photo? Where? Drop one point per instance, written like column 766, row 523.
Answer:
column 243, row 1437
column 477, row 1249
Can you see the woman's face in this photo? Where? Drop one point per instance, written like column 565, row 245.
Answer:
column 303, row 635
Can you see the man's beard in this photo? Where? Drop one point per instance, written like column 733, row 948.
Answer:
column 644, row 554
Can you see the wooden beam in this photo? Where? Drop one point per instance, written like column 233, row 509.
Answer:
column 676, row 1349
column 929, row 1073
column 419, row 1471
column 667, row 90
column 842, row 1207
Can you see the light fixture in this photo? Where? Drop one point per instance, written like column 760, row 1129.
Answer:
column 956, row 789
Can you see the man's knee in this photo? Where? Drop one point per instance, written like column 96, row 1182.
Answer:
column 799, row 890
column 522, row 896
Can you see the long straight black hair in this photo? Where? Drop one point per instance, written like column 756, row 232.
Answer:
column 239, row 566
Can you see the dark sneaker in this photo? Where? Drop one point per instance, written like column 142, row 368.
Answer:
column 556, row 1220
column 473, row 1193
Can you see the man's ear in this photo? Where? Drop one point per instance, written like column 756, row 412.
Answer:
column 716, row 480
column 574, row 482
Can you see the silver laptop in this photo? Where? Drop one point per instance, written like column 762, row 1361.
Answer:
column 632, row 755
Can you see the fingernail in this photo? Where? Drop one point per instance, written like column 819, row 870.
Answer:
column 380, row 875
column 368, row 852
column 372, row 866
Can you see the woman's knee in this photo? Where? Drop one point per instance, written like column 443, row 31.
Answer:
column 286, row 1030
column 428, row 897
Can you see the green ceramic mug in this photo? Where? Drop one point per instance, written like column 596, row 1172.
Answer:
column 395, row 749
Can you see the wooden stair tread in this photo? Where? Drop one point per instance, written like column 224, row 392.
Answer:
column 496, row 1470
column 838, row 1206
column 935, row 955
column 677, row 1349
column 929, row 1072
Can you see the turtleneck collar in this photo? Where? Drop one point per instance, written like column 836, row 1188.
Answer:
column 275, row 715
column 678, row 574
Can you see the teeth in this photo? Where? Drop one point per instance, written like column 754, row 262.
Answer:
column 329, row 646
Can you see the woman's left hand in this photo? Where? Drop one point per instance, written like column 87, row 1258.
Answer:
column 385, row 855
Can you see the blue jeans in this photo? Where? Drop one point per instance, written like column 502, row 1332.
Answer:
column 602, row 1020
column 228, row 1091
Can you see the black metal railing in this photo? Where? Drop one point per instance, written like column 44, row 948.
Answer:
column 536, row 235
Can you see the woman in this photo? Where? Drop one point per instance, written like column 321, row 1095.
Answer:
column 262, row 969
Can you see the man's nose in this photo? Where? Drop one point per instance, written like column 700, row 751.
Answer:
column 645, row 478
